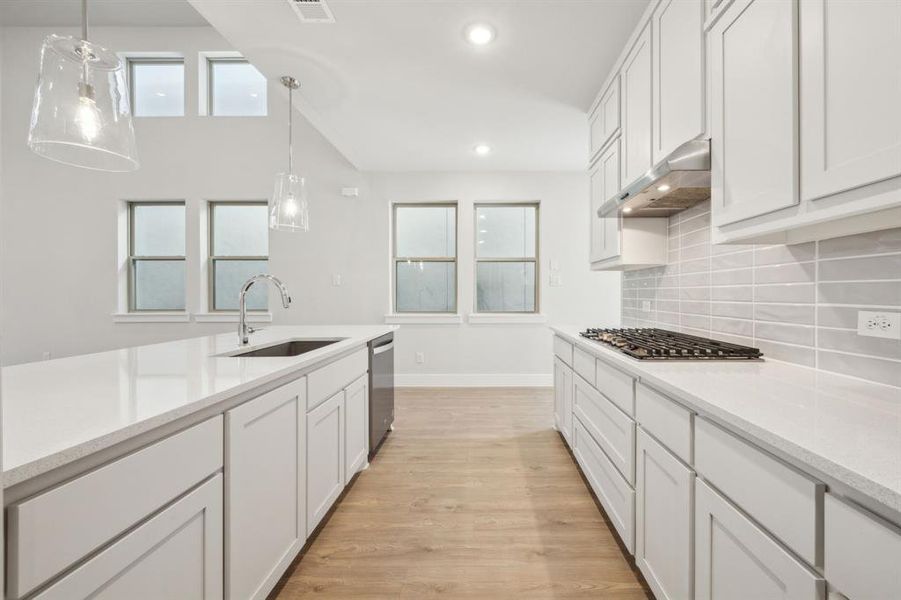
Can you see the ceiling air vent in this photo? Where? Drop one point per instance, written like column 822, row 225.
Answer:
column 312, row 11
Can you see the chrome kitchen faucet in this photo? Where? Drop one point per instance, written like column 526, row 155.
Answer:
column 243, row 330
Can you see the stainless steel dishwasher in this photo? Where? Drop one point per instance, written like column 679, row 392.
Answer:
column 381, row 390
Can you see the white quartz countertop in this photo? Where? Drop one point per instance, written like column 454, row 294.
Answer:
column 839, row 428
column 58, row 411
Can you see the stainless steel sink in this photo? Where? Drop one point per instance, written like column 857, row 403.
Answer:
column 289, row 348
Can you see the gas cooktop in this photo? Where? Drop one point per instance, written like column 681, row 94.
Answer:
column 660, row 344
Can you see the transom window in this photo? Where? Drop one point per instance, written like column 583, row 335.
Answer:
column 425, row 258
column 506, row 258
column 239, row 249
column 157, row 86
column 156, row 256
column 236, row 88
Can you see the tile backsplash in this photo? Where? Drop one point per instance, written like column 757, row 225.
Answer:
column 796, row 303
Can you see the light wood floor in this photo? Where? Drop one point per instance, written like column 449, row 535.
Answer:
column 474, row 495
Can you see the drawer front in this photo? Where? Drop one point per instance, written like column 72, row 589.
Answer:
column 614, row 493
column 583, row 364
column 669, row 422
column 617, row 386
column 611, row 428
column 863, row 553
column 786, row 502
column 49, row 532
column 563, row 350
column 323, row 383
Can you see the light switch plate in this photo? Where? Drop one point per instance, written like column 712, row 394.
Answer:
column 880, row 324
column 646, row 305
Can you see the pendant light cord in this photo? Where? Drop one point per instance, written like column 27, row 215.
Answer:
column 84, row 20
column 290, row 130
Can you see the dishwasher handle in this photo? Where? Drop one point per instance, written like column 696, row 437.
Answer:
column 382, row 348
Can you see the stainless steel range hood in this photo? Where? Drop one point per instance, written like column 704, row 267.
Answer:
column 679, row 181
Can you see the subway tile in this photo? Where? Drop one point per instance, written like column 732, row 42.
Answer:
column 694, row 293
column 733, row 326
column 694, row 279
column 793, row 354
column 694, row 308
column 787, row 292
column 875, row 242
column 701, row 322
column 872, row 267
column 849, row 341
column 672, row 243
column 696, row 237
column 732, row 294
column 733, row 339
column 647, row 293
column 664, row 293
column 798, row 314
column 694, row 223
column 802, row 335
column 716, row 249
column 695, row 266
column 669, row 281
column 788, row 273
column 695, row 252
column 741, row 310
column 775, row 255
column 736, row 260
column 668, row 305
column 700, row 208
column 881, row 293
column 732, row 277
column 672, row 257
column 669, row 318
column 865, row 367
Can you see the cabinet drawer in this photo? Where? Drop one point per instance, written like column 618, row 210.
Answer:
column 862, row 553
column 563, row 349
column 323, row 383
column 614, row 493
column 611, row 428
column 666, row 420
column 617, row 386
column 583, row 364
column 786, row 502
column 51, row 531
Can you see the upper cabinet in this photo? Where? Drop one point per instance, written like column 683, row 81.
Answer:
column 636, row 86
column 677, row 29
column 604, row 120
column 604, row 180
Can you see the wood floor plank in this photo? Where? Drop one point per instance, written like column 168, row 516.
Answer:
column 474, row 495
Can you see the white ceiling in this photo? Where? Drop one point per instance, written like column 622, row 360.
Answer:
column 124, row 13
column 394, row 86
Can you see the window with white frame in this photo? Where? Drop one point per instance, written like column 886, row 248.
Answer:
column 506, row 255
column 156, row 256
column 425, row 258
column 238, row 250
column 235, row 88
column 157, row 87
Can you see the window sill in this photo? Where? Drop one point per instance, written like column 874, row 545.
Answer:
column 152, row 317
column 424, row 318
column 506, row 318
column 232, row 317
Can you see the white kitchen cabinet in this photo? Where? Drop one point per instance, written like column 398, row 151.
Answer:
column 266, row 489
column 850, row 94
column 734, row 558
column 356, row 430
column 678, row 75
column 611, row 428
column 754, row 124
column 563, row 399
column 604, row 122
column 636, row 111
column 605, row 184
column 325, row 458
column 175, row 554
column 663, row 520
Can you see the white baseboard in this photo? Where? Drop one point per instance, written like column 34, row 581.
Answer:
column 473, row 380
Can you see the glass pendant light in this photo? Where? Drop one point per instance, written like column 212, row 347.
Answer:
column 80, row 114
column 289, row 209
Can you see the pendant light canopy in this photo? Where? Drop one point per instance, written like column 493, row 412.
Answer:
column 289, row 209
column 81, row 114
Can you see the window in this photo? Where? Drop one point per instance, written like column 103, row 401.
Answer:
column 506, row 258
column 157, row 87
column 156, row 256
column 236, row 88
column 239, row 249
column 425, row 258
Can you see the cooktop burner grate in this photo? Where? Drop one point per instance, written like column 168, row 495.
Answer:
column 660, row 344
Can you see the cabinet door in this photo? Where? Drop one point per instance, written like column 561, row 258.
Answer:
column 356, row 430
column 754, row 152
column 563, row 392
column 325, row 458
column 678, row 71
column 176, row 554
column 663, row 520
column 636, row 82
column 266, row 489
column 736, row 559
column 606, row 231
column 850, row 94
column 605, row 119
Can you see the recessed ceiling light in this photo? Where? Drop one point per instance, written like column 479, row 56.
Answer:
column 663, row 188
column 482, row 149
column 480, row 34
column 627, row 209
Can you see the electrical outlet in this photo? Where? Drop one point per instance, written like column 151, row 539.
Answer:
column 646, row 305
column 556, row 281
column 420, row 358
column 879, row 324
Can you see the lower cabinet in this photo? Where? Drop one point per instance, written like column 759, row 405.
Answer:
column 663, row 520
column 266, row 489
column 325, row 458
column 563, row 399
column 736, row 559
column 176, row 554
column 356, row 434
